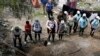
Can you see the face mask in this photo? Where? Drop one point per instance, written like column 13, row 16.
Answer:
column 84, row 17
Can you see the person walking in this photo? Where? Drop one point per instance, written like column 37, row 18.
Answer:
column 17, row 35
column 49, row 8
column 51, row 28
column 28, row 31
column 76, row 19
column 37, row 29
column 83, row 23
column 94, row 25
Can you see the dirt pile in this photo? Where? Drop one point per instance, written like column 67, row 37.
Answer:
column 58, row 49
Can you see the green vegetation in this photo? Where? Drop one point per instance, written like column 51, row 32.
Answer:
column 18, row 7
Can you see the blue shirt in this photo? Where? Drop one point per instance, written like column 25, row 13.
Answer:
column 95, row 23
column 77, row 16
column 44, row 2
column 83, row 22
column 49, row 6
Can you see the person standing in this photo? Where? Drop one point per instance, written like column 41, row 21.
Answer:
column 49, row 8
column 70, row 22
column 37, row 29
column 83, row 23
column 76, row 19
column 17, row 35
column 61, row 29
column 94, row 25
column 44, row 2
column 51, row 28
column 28, row 31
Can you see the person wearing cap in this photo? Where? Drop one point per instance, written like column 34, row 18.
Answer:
column 76, row 19
column 94, row 25
column 61, row 29
column 83, row 22
column 28, row 29
column 65, row 15
column 70, row 22
column 51, row 25
column 37, row 29
column 17, row 35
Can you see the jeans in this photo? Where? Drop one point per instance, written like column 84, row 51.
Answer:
column 81, row 31
column 37, row 34
column 92, row 31
column 19, row 39
column 28, row 34
column 50, row 13
column 60, row 36
column 75, row 27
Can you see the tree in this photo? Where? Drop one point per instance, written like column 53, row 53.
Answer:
column 18, row 7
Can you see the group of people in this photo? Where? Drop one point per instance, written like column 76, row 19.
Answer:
column 64, row 24
column 79, row 22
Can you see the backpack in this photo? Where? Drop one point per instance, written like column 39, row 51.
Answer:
column 37, row 27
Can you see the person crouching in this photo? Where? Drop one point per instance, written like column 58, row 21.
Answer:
column 17, row 33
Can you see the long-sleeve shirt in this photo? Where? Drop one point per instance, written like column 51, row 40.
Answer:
column 83, row 22
column 77, row 17
column 95, row 23
column 28, row 28
column 51, row 24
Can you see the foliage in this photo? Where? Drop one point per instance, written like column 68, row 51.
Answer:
column 18, row 7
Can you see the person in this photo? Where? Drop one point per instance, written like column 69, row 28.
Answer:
column 44, row 2
column 76, row 19
column 70, row 22
column 65, row 16
column 28, row 31
column 51, row 28
column 49, row 8
column 61, row 29
column 17, row 35
column 94, row 25
column 83, row 23
column 37, row 29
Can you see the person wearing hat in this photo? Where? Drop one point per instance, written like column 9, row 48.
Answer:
column 65, row 15
column 37, row 29
column 61, row 29
column 83, row 22
column 76, row 19
column 51, row 28
column 94, row 25
column 17, row 35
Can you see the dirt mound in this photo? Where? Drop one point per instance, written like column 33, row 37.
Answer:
column 58, row 49
column 40, row 50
